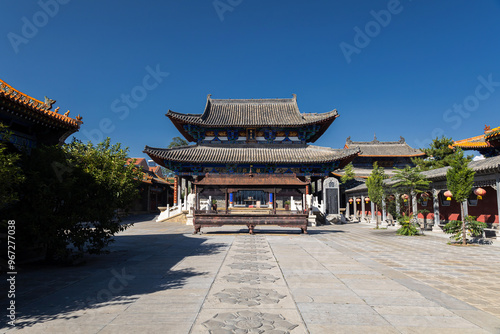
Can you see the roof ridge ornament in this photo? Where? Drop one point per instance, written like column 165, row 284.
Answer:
column 375, row 140
column 48, row 103
column 401, row 140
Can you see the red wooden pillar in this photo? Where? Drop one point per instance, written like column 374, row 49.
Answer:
column 176, row 186
column 227, row 200
column 304, row 206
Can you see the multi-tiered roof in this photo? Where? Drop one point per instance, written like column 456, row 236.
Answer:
column 268, row 135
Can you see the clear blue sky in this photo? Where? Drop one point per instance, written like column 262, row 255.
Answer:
column 404, row 76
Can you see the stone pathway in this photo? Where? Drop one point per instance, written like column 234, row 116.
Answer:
column 159, row 278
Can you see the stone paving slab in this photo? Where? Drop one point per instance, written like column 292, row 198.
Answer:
column 159, row 278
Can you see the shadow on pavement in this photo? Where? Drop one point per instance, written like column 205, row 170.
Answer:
column 136, row 265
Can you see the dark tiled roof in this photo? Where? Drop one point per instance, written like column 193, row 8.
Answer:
column 252, row 112
column 366, row 172
column 257, row 153
column 484, row 166
column 254, row 180
column 376, row 148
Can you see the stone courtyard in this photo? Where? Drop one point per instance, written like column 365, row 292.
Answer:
column 159, row 278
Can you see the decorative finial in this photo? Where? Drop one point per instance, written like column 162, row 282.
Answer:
column 486, row 128
column 375, row 137
column 79, row 118
column 48, row 103
column 348, row 140
column 294, row 97
column 66, row 113
column 56, row 110
column 401, row 140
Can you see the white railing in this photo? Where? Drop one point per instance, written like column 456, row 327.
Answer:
column 318, row 205
column 167, row 212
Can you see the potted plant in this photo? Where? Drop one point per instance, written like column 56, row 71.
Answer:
column 287, row 205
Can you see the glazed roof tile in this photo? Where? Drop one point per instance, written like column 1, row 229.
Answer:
column 489, row 139
column 377, row 148
column 36, row 107
column 256, row 153
column 471, row 143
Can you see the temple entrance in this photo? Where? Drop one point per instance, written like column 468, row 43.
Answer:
column 251, row 198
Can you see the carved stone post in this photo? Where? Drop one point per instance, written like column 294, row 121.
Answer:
column 384, row 212
column 372, row 208
column 347, row 207
column 435, row 203
column 398, row 209
column 363, row 212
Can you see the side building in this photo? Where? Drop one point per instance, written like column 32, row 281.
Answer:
column 33, row 122
column 387, row 154
column 488, row 143
column 154, row 190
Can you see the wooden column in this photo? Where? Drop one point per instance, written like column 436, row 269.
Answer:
column 196, row 198
column 497, row 190
column 274, row 201
column 227, row 204
column 176, row 185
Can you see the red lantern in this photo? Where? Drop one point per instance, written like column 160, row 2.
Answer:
column 448, row 195
column 425, row 196
column 480, row 192
column 391, row 198
column 358, row 200
column 350, row 200
column 367, row 199
column 404, row 197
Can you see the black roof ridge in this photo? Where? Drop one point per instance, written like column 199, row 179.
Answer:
column 375, row 141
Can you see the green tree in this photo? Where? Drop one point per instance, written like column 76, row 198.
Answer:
column 375, row 185
column 439, row 154
column 460, row 180
column 456, row 228
column 348, row 173
column 411, row 182
column 74, row 193
column 177, row 141
column 11, row 174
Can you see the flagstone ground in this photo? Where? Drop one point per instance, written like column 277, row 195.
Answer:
column 159, row 278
